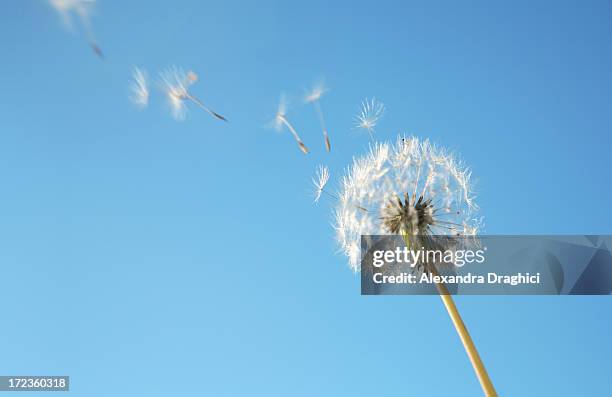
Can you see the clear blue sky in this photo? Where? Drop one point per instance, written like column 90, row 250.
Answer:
column 145, row 256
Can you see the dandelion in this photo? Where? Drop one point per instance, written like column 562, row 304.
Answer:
column 83, row 10
column 413, row 189
column 320, row 181
column 314, row 97
column 371, row 112
column 281, row 120
column 139, row 88
column 175, row 83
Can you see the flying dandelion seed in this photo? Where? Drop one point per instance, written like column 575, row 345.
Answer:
column 321, row 180
column 371, row 113
column 314, row 97
column 416, row 190
column 175, row 83
column 83, row 10
column 139, row 88
column 281, row 120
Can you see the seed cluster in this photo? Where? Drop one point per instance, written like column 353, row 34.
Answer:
column 400, row 216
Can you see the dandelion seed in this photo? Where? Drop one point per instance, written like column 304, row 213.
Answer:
column 83, row 10
column 281, row 120
column 320, row 181
column 139, row 88
column 314, row 97
column 371, row 112
column 175, row 83
column 412, row 188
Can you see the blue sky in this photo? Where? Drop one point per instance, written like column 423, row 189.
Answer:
column 147, row 256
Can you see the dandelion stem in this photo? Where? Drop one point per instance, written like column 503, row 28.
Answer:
column 464, row 335
column 204, row 107
column 303, row 147
column 317, row 106
column 466, row 339
column 93, row 43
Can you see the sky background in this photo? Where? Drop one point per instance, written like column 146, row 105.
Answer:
column 145, row 256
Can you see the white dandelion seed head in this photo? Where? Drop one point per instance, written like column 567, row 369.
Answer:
column 281, row 112
column 174, row 82
column 315, row 93
column 139, row 88
column 411, row 187
column 82, row 8
column 370, row 114
column 320, row 181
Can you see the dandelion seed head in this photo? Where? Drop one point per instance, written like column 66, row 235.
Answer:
column 174, row 82
column 370, row 114
column 65, row 7
column 315, row 93
column 320, row 181
column 139, row 88
column 411, row 188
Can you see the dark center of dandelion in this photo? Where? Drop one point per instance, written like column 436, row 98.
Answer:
column 403, row 217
